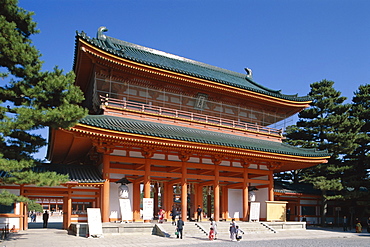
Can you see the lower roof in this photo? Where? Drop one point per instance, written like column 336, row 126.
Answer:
column 160, row 130
column 76, row 173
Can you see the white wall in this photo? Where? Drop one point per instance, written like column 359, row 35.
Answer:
column 115, row 211
column 262, row 197
column 235, row 203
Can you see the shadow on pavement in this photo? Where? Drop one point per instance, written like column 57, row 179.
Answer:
column 51, row 225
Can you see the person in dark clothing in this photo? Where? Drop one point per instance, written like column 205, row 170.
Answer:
column 180, row 227
column 345, row 223
column 45, row 218
column 173, row 215
column 199, row 213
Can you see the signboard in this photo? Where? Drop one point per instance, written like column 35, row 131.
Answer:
column 148, row 208
column 254, row 213
column 94, row 222
column 126, row 211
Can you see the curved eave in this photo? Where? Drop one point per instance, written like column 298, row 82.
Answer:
column 95, row 52
column 117, row 136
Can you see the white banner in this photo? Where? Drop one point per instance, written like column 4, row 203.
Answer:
column 254, row 212
column 94, row 222
column 148, row 208
column 126, row 211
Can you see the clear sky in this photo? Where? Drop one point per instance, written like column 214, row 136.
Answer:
column 288, row 44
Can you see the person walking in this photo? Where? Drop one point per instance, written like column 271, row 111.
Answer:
column 358, row 226
column 345, row 223
column 214, row 227
column 160, row 215
column 173, row 215
column 238, row 233
column 233, row 230
column 180, row 227
column 45, row 218
column 199, row 213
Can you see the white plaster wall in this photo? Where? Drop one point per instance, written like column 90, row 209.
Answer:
column 262, row 197
column 17, row 208
column 12, row 222
column 114, row 206
column 235, row 203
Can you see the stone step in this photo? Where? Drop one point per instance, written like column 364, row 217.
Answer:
column 201, row 229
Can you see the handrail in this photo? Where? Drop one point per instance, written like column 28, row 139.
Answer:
column 192, row 116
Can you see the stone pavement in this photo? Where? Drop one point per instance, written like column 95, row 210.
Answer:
column 54, row 236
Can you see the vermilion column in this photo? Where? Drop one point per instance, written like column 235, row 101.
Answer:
column 245, row 193
column 136, row 201
column 147, row 153
column 199, row 198
column 169, row 194
column 184, row 190
column 106, row 189
column 69, row 207
column 216, row 190
column 25, row 219
column 271, row 186
column 225, row 204
column 196, row 199
column 21, row 211
column 155, row 199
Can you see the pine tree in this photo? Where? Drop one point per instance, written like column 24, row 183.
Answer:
column 29, row 100
column 325, row 125
column 357, row 179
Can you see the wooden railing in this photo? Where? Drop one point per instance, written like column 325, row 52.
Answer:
column 191, row 116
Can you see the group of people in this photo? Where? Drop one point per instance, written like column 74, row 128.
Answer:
column 358, row 225
column 45, row 218
column 235, row 232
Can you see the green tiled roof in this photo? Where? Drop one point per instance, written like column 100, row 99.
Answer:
column 76, row 173
column 146, row 128
column 183, row 65
column 301, row 188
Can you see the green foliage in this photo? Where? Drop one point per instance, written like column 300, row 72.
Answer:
column 326, row 125
column 30, row 100
column 356, row 180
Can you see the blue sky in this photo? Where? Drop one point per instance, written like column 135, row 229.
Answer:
column 288, row 44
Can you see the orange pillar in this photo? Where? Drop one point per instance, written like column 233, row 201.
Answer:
column 217, row 193
column 184, row 192
column 245, row 194
column 155, row 198
column 21, row 211
column 271, row 186
column 147, row 154
column 169, row 194
column 136, row 201
column 105, row 200
column 199, row 198
column 196, row 199
column 25, row 219
column 65, row 214
column 69, row 208
column 225, row 204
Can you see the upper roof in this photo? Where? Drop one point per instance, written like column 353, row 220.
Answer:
column 146, row 128
column 170, row 62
